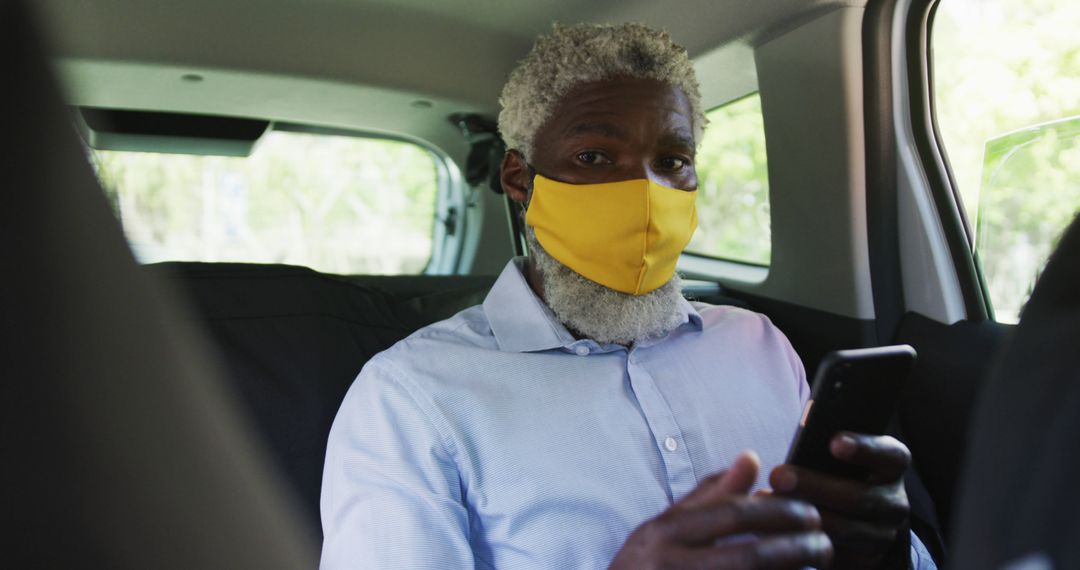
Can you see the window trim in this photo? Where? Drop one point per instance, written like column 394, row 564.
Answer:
column 696, row 266
column 726, row 259
column 959, row 236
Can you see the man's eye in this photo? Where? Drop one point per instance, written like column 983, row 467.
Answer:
column 672, row 163
column 592, row 157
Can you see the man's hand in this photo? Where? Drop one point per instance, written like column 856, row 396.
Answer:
column 866, row 521
column 770, row 532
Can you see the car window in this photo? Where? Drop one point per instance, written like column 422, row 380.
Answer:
column 1007, row 90
column 338, row 204
column 733, row 186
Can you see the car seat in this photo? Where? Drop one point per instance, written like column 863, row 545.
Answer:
column 1019, row 493
column 123, row 448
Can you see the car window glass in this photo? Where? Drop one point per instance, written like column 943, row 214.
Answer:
column 338, row 204
column 1007, row 89
column 733, row 186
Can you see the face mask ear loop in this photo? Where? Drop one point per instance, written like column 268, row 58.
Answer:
column 532, row 184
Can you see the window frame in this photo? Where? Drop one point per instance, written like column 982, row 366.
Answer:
column 449, row 192
column 958, row 232
column 747, row 271
column 450, row 195
column 977, row 294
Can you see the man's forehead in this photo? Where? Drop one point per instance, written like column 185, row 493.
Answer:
column 617, row 127
column 596, row 95
column 610, row 107
column 671, row 125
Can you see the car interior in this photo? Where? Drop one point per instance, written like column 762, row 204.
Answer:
column 172, row 409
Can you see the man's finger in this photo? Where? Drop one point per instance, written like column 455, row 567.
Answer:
column 797, row 550
column 735, row 481
column 855, row 535
column 845, row 496
column 885, row 456
column 761, row 515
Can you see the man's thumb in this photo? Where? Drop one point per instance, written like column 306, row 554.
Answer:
column 737, row 480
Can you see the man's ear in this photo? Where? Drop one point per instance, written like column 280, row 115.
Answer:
column 515, row 176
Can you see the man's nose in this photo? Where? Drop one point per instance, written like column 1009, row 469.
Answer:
column 649, row 172
column 645, row 169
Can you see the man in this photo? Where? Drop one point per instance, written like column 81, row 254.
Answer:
column 586, row 415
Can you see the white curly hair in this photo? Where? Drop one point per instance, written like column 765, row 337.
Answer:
column 584, row 53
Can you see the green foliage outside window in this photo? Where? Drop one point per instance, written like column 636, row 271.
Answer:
column 1030, row 192
column 733, row 186
column 1007, row 87
column 337, row 204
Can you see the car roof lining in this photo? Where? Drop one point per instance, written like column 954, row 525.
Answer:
column 334, row 62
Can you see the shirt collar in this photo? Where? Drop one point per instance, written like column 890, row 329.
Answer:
column 522, row 322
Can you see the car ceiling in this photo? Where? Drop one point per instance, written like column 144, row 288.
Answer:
column 365, row 63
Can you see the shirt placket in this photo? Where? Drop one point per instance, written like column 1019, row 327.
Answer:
column 667, row 436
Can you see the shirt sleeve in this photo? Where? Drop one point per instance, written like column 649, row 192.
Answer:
column 920, row 556
column 797, row 369
column 391, row 495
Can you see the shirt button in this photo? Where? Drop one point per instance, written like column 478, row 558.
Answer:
column 581, row 350
column 670, row 444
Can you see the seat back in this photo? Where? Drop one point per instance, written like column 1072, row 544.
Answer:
column 936, row 408
column 121, row 447
column 293, row 341
column 1019, row 491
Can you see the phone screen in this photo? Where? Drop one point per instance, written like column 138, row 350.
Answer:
column 856, row 391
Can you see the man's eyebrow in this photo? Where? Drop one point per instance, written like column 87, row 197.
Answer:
column 678, row 139
column 609, row 130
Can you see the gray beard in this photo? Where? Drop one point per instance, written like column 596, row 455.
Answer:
column 601, row 313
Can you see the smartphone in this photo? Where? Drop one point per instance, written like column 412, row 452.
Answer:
column 854, row 390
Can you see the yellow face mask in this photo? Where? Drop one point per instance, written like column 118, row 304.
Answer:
column 624, row 235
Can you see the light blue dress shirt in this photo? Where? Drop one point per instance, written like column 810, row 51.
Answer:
column 495, row 439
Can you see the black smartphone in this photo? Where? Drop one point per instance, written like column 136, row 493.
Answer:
column 854, row 390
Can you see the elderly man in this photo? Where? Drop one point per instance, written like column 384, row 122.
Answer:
column 586, row 415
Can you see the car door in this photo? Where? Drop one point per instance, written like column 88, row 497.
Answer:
column 871, row 242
